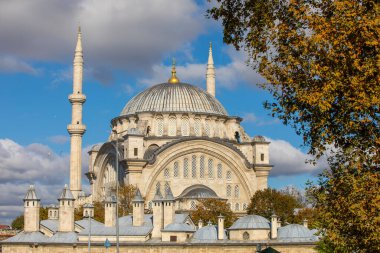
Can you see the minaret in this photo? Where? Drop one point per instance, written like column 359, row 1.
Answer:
column 31, row 211
column 210, row 74
column 76, row 129
column 66, row 211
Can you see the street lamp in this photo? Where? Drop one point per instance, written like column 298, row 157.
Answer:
column 115, row 144
column 88, row 210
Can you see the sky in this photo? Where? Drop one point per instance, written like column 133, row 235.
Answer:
column 128, row 46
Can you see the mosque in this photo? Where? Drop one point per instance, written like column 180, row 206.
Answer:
column 176, row 143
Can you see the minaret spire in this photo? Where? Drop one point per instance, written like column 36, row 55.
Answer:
column 76, row 129
column 173, row 78
column 210, row 74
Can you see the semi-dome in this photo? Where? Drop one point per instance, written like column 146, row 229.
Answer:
column 251, row 222
column 169, row 97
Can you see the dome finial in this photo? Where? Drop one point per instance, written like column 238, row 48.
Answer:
column 173, row 78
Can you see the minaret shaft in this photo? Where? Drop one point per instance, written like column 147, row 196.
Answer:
column 210, row 74
column 76, row 129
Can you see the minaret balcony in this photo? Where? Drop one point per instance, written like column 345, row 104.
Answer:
column 76, row 128
column 77, row 98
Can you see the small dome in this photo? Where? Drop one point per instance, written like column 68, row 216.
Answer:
column 295, row 232
column 66, row 194
column 251, row 222
column 198, row 192
column 208, row 232
column 31, row 194
column 169, row 97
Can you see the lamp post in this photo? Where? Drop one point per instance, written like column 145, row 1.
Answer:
column 115, row 144
column 88, row 210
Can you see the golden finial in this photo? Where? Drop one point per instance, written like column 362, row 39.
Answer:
column 173, row 78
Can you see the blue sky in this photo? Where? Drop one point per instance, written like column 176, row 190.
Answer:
column 128, row 46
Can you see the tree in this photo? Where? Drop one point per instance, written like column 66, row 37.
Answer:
column 322, row 65
column 311, row 214
column 321, row 61
column 126, row 195
column 270, row 201
column 18, row 222
column 209, row 210
column 98, row 212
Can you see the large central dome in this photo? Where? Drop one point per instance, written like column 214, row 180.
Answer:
column 169, row 97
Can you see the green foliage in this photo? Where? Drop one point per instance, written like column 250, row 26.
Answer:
column 310, row 214
column 98, row 212
column 18, row 222
column 270, row 201
column 126, row 195
column 209, row 210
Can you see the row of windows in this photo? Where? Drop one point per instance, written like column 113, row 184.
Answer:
column 191, row 170
column 185, row 127
column 193, row 206
column 229, row 191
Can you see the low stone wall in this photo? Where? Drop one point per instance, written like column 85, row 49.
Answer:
column 159, row 248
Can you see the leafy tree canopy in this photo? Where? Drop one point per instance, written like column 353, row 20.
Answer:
column 209, row 210
column 270, row 201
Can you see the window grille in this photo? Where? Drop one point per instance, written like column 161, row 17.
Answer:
column 228, row 190
column 245, row 236
column 159, row 126
column 245, row 206
column 193, row 206
column 197, row 127
column 194, row 166
column 166, row 186
column 220, row 171
column 172, row 127
column 186, row 168
column 207, row 127
column 210, row 169
column 237, row 207
column 202, row 167
column 176, row 169
column 158, row 187
column 229, row 175
column 166, row 173
column 236, row 191
column 185, row 127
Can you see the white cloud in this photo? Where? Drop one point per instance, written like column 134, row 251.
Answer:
column 258, row 121
column 59, row 139
column 10, row 64
column 36, row 164
column 227, row 76
column 116, row 34
column 288, row 160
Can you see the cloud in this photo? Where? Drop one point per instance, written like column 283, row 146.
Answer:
column 288, row 160
column 10, row 64
column 36, row 164
column 227, row 76
column 120, row 34
column 59, row 139
column 258, row 121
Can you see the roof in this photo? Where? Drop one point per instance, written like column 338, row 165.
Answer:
column 251, row 222
column 66, row 194
column 180, row 97
column 207, row 233
column 138, row 197
column 84, row 223
column 295, row 233
column 32, row 237
column 63, row 237
column 127, row 220
column 50, row 224
column 31, row 194
column 198, row 191
column 178, row 227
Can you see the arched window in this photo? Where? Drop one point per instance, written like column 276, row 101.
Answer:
column 236, row 191
column 245, row 236
column 166, row 186
column 158, row 187
column 186, row 168
column 245, row 206
column 210, row 169
column 172, row 126
column 237, row 207
column 159, row 126
column 229, row 175
column 185, row 127
column 228, row 190
column 220, row 171
column 202, row 167
column 176, row 169
column 207, row 127
column 150, row 205
column 197, row 127
column 166, row 173
column 193, row 205
column 194, row 166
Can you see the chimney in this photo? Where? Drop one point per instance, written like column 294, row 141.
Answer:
column 158, row 219
column 53, row 212
column 274, row 226
column 110, row 211
column 31, row 211
column 168, row 206
column 66, row 211
column 221, row 227
column 305, row 223
column 88, row 211
column 138, row 209
column 200, row 223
